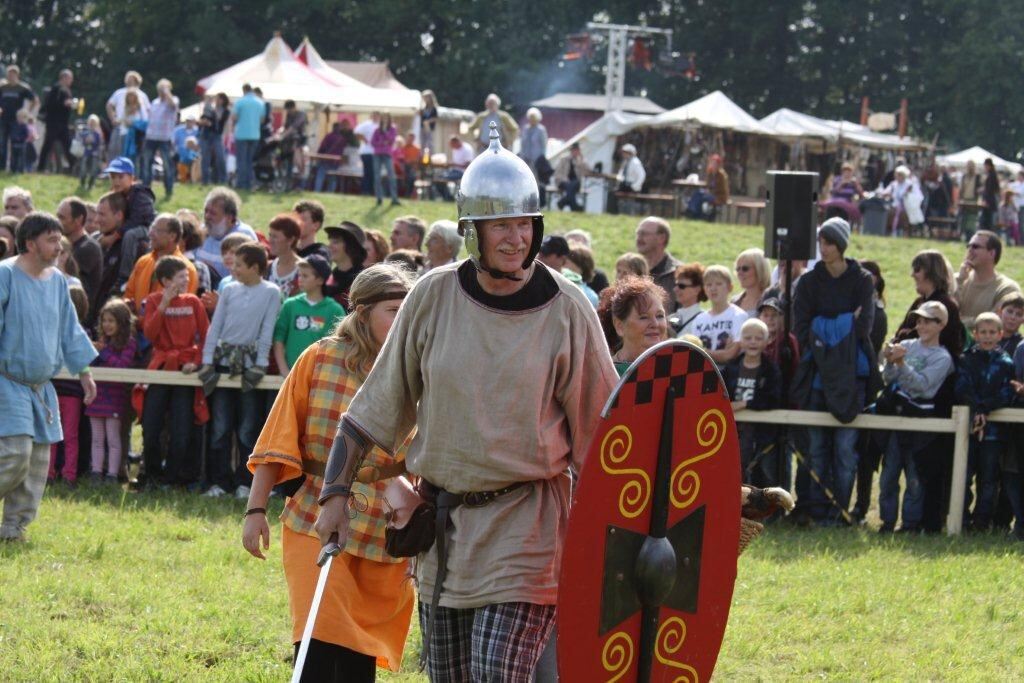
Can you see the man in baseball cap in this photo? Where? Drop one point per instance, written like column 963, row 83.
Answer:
column 134, row 233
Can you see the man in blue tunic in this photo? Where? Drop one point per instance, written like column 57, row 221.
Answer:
column 39, row 334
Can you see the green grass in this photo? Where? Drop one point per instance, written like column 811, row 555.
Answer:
column 132, row 587
column 127, row 587
column 613, row 235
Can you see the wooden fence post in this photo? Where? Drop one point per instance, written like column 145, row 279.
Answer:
column 962, row 419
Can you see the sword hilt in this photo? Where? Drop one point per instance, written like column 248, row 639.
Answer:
column 330, row 549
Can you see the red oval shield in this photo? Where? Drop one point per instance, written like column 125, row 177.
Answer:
column 649, row 562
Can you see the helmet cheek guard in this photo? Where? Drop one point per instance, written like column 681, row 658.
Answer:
column 498, row 184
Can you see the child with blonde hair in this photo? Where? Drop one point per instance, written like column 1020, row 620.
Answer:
column 754, row 382
column 719, row 328
column 91, row 138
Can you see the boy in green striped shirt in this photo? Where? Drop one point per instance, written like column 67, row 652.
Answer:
column 306, row 317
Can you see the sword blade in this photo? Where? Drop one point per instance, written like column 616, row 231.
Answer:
column 325, row 561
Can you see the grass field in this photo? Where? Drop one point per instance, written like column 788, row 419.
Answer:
column 156, row 587
column 613, row 235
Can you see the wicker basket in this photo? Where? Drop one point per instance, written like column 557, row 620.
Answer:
column 749, row 530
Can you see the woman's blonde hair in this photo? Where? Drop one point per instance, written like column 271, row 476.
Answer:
column 132, row 103
column 762, row 267
column 354, row 330
column 633, row 263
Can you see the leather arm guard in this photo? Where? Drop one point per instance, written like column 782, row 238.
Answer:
column 347, row 453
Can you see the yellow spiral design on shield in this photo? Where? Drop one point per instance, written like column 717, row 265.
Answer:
column 636, row 492
column 617, row 655
column 667, row 644
column 711, row 430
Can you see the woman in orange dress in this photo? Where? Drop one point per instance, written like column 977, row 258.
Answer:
column 367, row 604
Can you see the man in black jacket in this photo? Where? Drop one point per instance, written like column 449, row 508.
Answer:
column 58, row 105
column 833, row 311
column 139, row 214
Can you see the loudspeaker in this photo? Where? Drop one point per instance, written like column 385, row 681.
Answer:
column 791, row 215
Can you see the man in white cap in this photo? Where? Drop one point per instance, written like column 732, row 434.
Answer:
column 630, row 178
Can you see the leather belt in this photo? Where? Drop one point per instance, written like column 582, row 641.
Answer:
column 446, row 501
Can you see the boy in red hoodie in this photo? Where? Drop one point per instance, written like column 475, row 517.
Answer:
column 175, row 322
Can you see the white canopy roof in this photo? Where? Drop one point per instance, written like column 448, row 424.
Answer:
column 583, row 102
column 786, row 123
column 389, row 97
column 597, row 141
column 977, row 155
column 282, row 76
column 714, row 110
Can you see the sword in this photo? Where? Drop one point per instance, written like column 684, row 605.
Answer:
column 324, row 561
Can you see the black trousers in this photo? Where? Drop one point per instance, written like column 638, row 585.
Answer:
column 175, row 405
column 329, row 663
column 56, row 133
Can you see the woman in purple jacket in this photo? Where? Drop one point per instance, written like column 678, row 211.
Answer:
column 383, row 142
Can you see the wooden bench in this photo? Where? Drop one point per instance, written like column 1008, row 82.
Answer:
column 653, row 200
column 347, row 179
column 944, row 227
column 753, row 211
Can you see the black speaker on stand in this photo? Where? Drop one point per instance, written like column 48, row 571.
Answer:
column 791, row 215
column 791, row 225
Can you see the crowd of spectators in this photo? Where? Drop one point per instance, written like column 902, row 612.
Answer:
column 207, row 293
column 211, row 295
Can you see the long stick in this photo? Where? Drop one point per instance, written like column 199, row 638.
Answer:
column 325, row 560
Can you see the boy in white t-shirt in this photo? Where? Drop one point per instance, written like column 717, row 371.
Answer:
column 719, row 328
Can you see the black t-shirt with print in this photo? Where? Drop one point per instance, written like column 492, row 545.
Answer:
column 12, row 98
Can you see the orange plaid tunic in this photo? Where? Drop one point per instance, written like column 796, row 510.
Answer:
column 301, row 427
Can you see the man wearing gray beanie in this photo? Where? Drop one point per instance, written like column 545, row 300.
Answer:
column 837, row 231
column 833, row 311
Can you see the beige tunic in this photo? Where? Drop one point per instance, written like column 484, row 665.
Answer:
column 498, row 397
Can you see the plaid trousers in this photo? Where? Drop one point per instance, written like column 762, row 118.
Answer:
column 491, row 644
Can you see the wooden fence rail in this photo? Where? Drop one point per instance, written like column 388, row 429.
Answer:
column 958, row 424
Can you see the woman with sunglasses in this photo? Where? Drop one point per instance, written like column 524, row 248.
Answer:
column 754, row 274
column 689, row 295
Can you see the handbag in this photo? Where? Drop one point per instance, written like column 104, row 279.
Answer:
column 77, row 148
column 411, row 520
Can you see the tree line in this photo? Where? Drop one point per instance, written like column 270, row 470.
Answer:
column 956, row 61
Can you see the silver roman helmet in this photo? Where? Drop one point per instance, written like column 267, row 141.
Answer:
column 498, row 184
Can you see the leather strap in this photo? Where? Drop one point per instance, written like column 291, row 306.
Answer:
column 445, row 501
column 367, row 474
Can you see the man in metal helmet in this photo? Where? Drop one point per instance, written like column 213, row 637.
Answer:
column 498, row 185
column 500, row 365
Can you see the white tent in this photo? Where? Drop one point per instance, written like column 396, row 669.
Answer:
column 978, row 155
column 597, row 143
column 282, row 76
column 786, row 123
column 395, row 99
column 714, row 110
column 583, row 102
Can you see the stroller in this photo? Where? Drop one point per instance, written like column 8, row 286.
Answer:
column 272, row 164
